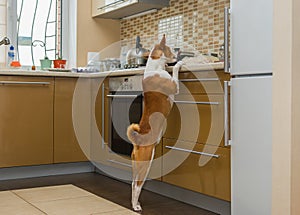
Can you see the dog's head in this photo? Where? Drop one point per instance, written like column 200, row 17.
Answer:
column 161, row 50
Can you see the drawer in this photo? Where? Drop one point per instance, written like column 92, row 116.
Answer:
column 202, row 82
column 197, row 118
column 201, row 168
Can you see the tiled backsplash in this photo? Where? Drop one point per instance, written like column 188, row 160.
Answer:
column 202, row 24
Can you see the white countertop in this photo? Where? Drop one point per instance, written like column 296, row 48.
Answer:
column 23, row 72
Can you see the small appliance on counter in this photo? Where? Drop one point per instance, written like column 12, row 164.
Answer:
column 137, row 56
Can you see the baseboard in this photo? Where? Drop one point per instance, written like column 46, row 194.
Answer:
column 45, row 170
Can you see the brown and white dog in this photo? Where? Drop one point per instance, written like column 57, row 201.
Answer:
column 159, row 88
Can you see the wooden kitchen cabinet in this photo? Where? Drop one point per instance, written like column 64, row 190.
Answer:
column 26, row 127
column 203, row 82
column 210, row 176
column 95, row 5
column 99, row 130
column 198, row 118
column 198, row 111
column 66, row 146
column 196, row 125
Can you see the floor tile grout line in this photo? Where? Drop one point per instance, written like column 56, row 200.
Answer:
column 53, row 200
column 28, row 202
column 32, row 204
column 89, row 195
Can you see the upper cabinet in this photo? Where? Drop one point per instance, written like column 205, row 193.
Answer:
column 117, row 9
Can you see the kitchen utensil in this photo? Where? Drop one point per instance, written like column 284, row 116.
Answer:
column 137, row 55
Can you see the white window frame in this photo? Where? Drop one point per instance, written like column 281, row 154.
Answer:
column 69, row 28
column 69, row 33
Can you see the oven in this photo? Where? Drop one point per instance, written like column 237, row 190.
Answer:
column 125, row 107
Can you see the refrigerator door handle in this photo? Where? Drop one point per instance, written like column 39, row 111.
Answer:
column 226, row 40
column 226, row 115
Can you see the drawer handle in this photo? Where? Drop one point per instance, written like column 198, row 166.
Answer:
column 23, row 83
column 120, row 163
column 122, row 96
column 193, row 152
column 199, row 103
column 102, row 117
column 200, row 79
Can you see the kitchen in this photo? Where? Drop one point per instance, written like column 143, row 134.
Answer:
column 282, row 83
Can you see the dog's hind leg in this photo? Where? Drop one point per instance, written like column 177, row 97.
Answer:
column 142, row 158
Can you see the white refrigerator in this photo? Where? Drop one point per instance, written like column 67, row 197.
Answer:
column 250, row 66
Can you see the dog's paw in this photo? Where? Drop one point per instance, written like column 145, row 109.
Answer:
column 137, row 207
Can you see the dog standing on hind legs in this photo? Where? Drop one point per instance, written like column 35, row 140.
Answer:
column 159, row 88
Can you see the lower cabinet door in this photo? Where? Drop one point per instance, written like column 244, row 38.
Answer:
column 198, row 118
column 66, row 146
column 26, row 127
column 201, row 168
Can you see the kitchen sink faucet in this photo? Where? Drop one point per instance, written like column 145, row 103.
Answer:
column 5, row 41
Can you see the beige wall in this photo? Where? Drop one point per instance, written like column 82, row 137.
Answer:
column 286, row 108
column 295, row 167
column 93, row 34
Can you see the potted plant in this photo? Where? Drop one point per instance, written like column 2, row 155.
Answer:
column 45, row 63
column 59, row 62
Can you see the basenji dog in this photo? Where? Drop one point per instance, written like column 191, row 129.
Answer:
column 159, row 88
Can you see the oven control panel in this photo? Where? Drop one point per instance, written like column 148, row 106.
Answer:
column 126, row 83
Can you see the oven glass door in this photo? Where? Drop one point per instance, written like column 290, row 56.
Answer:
column 125, row 109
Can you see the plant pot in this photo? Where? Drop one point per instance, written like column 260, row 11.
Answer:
column 46, row 63
column 61, row 64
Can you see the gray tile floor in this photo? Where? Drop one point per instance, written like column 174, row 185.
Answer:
column 107, row 188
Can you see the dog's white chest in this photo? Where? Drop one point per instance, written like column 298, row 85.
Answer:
column 154, row 67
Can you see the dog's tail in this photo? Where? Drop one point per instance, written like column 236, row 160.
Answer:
column 136, row 138
column 133, row 133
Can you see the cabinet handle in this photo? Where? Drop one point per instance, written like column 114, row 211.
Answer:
column 120, row 163
column 111, row 4
column 226, row 39
column 102, row 116
column 23, row 83
column 122, row 96
column 198, row 103
column 199, row 79
column 192, row 151
column 226, row 118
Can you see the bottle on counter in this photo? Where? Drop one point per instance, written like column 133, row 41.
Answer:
column 11, row 55
column 12, row 60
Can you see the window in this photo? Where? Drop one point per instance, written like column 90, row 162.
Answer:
column 38, row 28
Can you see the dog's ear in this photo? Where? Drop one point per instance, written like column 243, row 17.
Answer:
column 163, row 41
column 156, row 52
